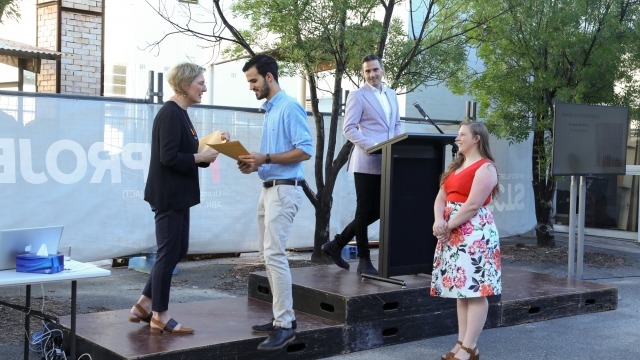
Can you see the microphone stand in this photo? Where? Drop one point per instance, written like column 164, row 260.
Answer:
column 454, row 147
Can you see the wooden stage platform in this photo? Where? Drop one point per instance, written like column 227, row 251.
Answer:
column 336, row 312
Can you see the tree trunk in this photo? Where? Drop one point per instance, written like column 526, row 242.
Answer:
column 321, row 234
column 326, row 166
column 322, row 202
column 543, row 193
column 543, row 188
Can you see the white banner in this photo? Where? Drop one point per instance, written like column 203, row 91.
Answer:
column 513, row 208
column 82, row 163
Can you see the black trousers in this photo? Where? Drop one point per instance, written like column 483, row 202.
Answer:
column 172, row 238
column 367, row 212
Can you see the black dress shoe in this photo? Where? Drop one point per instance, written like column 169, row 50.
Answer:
column 268, row 327
column 278, row 339
column 333, row 250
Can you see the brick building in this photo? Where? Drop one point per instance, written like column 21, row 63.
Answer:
column 76, row 29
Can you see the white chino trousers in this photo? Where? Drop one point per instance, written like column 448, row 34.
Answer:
column 277, row 207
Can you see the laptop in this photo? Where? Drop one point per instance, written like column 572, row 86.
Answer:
column 20, row 241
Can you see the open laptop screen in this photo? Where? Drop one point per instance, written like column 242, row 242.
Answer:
column 19, row 241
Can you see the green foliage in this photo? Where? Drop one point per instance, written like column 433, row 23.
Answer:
column 539, row 52
column 336, row 34
column 319, row 33
column 438, row 61
column 9, row 10
column 542, row 51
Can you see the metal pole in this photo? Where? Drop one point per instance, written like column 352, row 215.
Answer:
column 581, row 215
column 150, row 88
column 302, row 93
column 383, row 279
column 160, row 92
column 467, row 110
column 21, row 66
column 27, row 323
column 474, row 107
column 638, row 211
column 571, row 270
column 74, row 295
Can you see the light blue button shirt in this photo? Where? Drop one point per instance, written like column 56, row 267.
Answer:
column 284, row 128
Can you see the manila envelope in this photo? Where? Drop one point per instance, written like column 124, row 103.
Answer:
column 232, row 149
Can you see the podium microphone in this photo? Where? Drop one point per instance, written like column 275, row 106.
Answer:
column 454, row 147
column 425, row 116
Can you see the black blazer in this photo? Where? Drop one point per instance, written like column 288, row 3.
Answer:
column 172, row 182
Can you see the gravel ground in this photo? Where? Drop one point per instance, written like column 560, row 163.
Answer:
column 522, row 253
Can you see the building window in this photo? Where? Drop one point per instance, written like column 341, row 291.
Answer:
column 115, row 81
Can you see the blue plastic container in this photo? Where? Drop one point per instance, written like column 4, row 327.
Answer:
column 349, row 252
column 145, row 263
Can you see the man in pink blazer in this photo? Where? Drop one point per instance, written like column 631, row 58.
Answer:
column 371, row 116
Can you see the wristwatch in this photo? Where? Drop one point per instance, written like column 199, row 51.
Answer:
column 267, row 160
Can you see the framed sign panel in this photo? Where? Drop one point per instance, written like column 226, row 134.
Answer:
column 589, row 140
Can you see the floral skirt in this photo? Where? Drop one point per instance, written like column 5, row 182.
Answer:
column 468, row 265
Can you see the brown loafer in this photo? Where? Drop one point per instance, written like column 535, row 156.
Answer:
column 158, row 326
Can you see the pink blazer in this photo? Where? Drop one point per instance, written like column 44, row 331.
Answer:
column 365, row 125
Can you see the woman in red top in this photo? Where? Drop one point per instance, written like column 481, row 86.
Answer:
column 467, row 261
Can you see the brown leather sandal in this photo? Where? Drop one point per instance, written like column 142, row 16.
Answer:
column 450, row 355
column 169, row 327
column 145, row 316
column 473, row 353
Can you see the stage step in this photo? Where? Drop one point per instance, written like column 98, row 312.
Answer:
column 223, row 331
column 529, row 297
column 342, row 296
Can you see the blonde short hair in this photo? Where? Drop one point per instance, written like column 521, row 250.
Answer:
column 182, row 75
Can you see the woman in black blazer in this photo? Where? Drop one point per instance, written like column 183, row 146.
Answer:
column 172, row 189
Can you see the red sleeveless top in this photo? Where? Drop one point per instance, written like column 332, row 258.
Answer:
column 458, row 186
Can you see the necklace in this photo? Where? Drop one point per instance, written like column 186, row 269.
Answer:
column 187, row 121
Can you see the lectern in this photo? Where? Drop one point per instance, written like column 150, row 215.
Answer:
column 411, row 167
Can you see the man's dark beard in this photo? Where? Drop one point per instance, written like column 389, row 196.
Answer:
column 264, row 91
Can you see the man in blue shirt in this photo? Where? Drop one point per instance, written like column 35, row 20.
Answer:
column 285, row 144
